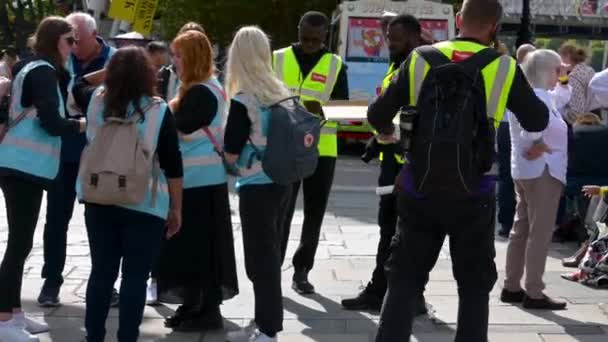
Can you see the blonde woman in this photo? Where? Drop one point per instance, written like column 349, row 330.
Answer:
column 252, row 86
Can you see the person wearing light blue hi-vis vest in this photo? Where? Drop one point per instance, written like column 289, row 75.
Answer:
column 29, row 161
column 89, row 54
column 206, row 236
column 117, row 233
column 252, row 86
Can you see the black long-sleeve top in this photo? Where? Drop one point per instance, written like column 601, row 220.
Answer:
column 40, row 91
column 238, row 128
column 307, row 62
column 196, row 110
column 167, row 148
column 530, row 111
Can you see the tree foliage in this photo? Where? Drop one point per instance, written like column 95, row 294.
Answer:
column 221, row 18
column 19, row 19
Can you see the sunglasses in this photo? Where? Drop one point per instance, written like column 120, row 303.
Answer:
column 71, row 40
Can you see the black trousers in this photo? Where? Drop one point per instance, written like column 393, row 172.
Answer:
column 60, row 205
column 262, row 209
column 387, row 221
column 316, row 195
column 506, row 188
column 23, row 199
column 118, row 235
column 423, row 226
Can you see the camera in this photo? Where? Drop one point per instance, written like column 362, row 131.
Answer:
column 407, row 126
column 372, row 150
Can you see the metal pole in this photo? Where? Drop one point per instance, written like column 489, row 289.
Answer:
column 524, row 36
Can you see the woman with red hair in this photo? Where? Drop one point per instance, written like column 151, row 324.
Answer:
column 205, row 240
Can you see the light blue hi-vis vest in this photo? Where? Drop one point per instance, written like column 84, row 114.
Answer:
column 72, row 107
column 27, row 147
column 250, row 167
column 149, row 130
column 202, row 165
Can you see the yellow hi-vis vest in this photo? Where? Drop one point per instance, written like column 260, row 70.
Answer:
column 498, row 76
column 393, row 70
column 316, row 86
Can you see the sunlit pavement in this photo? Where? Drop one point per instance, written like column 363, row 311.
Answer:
column 344, row 263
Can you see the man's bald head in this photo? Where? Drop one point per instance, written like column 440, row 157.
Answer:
column 523, row 51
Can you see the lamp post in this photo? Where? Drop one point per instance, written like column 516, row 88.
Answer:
column 524, row 36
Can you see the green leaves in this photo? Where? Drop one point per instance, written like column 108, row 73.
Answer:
column 221, row 18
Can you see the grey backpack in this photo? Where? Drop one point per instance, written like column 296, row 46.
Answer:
column 293, row 136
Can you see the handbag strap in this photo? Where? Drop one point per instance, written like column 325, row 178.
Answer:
column 20, row 117
column 216, row 146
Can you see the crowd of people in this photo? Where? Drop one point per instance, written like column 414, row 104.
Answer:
column 77, row 99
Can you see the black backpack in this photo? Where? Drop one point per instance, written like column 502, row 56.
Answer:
column 453, row 139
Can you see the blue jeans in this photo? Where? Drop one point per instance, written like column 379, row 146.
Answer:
column 115, row 235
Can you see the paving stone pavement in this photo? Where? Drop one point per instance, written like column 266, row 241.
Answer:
column 344, row 263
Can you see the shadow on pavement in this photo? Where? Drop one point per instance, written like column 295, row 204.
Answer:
column 576, row 329
column 361, row 324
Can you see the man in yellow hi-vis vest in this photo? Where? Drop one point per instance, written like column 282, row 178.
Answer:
column 316, row 75
column 467, row 214
column 403, row 36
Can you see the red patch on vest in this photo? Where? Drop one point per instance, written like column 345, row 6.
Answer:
column 318, row 77
column 459, row 56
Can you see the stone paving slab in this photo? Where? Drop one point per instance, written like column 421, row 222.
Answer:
column 345, row 260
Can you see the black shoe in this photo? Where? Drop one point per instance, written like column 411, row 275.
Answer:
column 301, row 284
column 509, row 297
column 181, row 314
column 366, row 300
column 115, row 300
column 49, row 297
column 421, row 308
column 199, row 322
column 544, row 303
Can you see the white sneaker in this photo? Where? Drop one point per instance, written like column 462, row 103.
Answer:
column 12, row 331
column 259, row 336
column 30, row 325
column 242, row 335
column 152, row 293
column 238, row 335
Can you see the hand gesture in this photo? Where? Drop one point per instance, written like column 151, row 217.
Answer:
column 536, row 151
column 591, row 190
column 174, row 223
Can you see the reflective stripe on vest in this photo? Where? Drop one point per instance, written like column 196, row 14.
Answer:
column 250, row 167
column 202, row 165
column 390, row 74
column 149, row 130
column 317, row 86
column 27, row 147
column 498, row 76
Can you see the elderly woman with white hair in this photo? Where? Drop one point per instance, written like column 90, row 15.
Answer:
column 538, row 164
